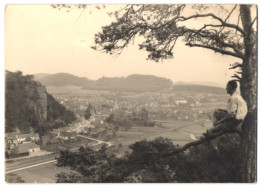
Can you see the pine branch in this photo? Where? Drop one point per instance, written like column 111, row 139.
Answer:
column 237, row 77
column 230, row 13
column 253, row 21
column 236, row 27
column 215, row 38
column 216, row 50
column 236, row 66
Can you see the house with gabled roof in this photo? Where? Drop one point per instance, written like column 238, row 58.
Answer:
column 20, row 138
column 30, row 147
column 68, row 135
column 24, row 149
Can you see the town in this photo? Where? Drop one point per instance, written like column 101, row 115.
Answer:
column 163, row 106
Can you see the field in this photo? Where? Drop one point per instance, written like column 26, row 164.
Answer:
column 40, row 174
column 179, row 132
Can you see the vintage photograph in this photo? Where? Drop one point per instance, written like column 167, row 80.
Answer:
column 130, row 93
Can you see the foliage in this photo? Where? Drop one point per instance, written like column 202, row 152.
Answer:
column 222, row 29
column 127, row 120
column 13, row 178
column 22, row 100
column 147, row 163
column 57, row 111
column 87, row 162
column 162, row 25
column 87, row 113
column 205, row 164
column 18, row 114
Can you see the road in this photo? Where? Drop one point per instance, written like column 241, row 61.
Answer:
column 99, row 141
column 26, row 163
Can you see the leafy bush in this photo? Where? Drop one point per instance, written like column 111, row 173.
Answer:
column 147, row 162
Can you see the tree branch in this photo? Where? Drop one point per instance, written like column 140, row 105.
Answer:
column 216, row 38
column 227, row 18
column 236, row 66
column 237, row 77
column 200, row 141
column 236, row 27
column 216, row 50
column 230, row 13
column 84, row 8
column 253, row 21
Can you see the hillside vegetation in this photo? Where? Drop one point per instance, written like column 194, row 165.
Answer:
column 28, row 106
column 147, row 163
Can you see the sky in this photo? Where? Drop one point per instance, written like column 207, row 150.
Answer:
column 40, row 39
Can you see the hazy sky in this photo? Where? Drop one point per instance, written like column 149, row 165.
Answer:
column 40, row 39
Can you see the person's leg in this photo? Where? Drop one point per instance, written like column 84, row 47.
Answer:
column 219, row 114
column 230, row 124
column 215, row 116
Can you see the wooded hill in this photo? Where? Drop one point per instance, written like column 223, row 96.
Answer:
column 135, row 83
column 28, row 106
column 131, row 83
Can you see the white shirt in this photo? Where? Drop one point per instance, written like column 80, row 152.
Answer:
column 237, row 105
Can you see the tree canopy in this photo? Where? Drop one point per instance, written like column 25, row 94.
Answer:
column 215, row 27
column 147, row 163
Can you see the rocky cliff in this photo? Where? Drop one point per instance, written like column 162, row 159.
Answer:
column 37, row 99
column 29, row 106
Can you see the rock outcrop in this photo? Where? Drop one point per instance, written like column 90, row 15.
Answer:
column 28, row 105
column 37, row 99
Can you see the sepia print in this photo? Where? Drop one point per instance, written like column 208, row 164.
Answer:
column 145, row 93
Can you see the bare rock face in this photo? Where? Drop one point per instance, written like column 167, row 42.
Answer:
column 28, row 105
column 42, row 103
column 37, row 99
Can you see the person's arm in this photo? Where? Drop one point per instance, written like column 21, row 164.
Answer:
column 232, row 110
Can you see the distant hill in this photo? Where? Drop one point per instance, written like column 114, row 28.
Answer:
column 62, row 79
column 40, row 75
column 204, row 83
column 198, row 89
column 131, row 83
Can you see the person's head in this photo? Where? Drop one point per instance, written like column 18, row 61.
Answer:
column 231, row 87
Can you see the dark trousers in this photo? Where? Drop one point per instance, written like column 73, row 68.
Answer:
column 230, row 123
column 227, row 125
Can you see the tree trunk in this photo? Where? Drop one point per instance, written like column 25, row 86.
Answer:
column 248, row 86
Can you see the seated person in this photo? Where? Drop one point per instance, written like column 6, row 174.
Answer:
column 232, row 118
